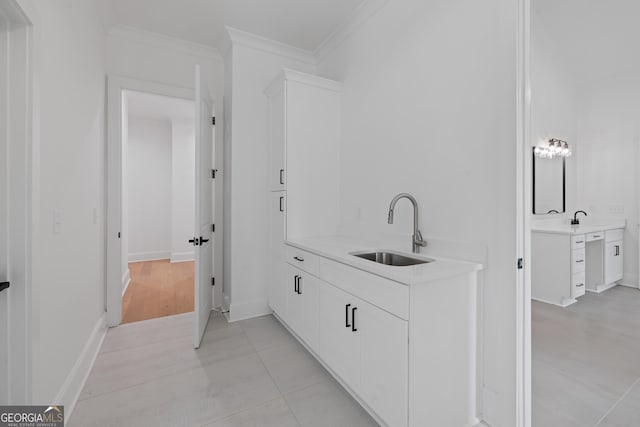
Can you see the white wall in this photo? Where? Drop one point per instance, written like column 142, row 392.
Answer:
column 252, row 69
column 149, row 189
column 429, row 108
column 553, row 106
column 609, row 136
column 183, row 151
column 69, row 266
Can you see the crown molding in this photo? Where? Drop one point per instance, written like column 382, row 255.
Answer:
column 150, row 38
column 360, row 15
column 253, row 41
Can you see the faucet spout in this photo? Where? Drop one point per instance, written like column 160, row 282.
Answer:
column 416, row 240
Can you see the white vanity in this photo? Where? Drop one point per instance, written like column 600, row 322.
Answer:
column 569, row 260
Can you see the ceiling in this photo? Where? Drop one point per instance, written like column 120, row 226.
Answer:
column 596, row 39
column 144, row 105
column 300, row 23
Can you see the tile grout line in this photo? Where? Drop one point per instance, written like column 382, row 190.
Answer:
column 617, row 403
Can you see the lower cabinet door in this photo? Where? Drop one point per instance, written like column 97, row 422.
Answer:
column 578, row 285
column 613, row 266
column 339, row 343
column 384, row 363
column 295, row 305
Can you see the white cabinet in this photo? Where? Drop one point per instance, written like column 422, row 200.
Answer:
column 276, row 174
column 613, row 261
column 304, row 151
column 565, row 265
column 276, row 290
column 368, row 348
column 301, row 291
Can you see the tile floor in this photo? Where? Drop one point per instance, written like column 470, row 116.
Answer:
column 586, row 361
column 249, row 373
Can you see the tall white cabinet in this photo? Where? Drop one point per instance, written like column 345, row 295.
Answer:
column 304, row 167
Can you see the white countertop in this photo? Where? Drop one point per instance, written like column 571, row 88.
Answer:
column 339, row 248
column 575, row 229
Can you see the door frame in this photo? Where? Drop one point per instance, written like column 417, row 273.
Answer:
column 20, row 139
column 524, row 181
column 116, row 85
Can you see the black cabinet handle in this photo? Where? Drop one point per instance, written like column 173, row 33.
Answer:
column 346, row 316
column 3, row 286
column 580, row 241
column 299, row 281
column 353, row 319
column 281, row 203
column 298, row 259
column 597, row 236
column 295, row 283
column 281, row 176
column 580, row 260
column 580, row 285
column 617, row 250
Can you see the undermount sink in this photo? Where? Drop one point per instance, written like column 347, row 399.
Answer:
column 391, row 258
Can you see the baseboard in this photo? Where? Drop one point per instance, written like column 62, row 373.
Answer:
column 77, row 377
column 126, row 279
column 182, row 256
column 247, row 310
column 629, row 285
column 149, row 256
column 565, row 303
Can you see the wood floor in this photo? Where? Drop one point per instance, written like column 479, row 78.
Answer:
column 586, row 361
column 158, row 288
column 251, row 373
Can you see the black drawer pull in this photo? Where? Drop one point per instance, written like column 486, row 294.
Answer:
column 580, row 241
column 299, row 281
column 281, row 203
column 4, row 285
column 298, row 259
column 580, row 285
column 295, row 283
column 281, row 176
column 353, row 319
column 580, row 260
column 346, row 316
column 597, row 236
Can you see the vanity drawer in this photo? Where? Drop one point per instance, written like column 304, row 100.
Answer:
column 577, row 242
column 303, row 260
column 614, row 235
column 577, row 260
column 578, row 285
column 595, row 236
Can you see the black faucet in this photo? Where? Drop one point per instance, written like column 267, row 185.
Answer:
column 575, row 220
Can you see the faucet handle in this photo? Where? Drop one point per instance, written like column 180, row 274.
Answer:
column 418, row 240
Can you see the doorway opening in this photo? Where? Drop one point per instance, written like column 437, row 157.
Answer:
column 204, row 242
column 158, row 205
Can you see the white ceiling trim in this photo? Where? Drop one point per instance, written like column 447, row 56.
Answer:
column 264, row 44
column 366, row 10
column 150, row 38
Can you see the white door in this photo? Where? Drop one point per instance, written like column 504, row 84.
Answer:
column 204, row 209
column 218, row 211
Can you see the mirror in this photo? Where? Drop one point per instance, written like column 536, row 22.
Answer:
column 548, row 185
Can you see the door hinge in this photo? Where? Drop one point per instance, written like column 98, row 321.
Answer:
column 213, row 228
column 213, row 173
column 213, row 121
column 520, row 263
column 118, row 234
column 213, row 281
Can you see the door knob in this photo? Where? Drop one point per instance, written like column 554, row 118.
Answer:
column 202, row 240
column 3, row 286
column 194, row 241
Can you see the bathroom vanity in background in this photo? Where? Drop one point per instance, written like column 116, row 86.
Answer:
column 567, row 260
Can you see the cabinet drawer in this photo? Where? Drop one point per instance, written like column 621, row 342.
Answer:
column 595, row 236
column 577, row 242
column 302, row 259
column 578, row 285
column 614, row 235
column 384, row 293
column 578, row 261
